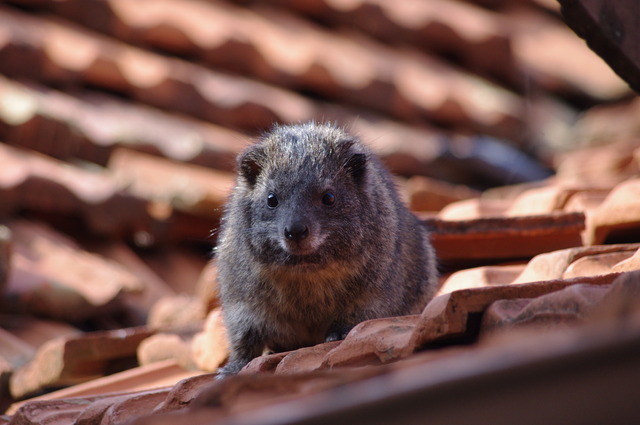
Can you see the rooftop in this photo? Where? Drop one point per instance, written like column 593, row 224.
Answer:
column 517, row 145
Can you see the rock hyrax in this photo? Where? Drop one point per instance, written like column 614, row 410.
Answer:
column 313, row 241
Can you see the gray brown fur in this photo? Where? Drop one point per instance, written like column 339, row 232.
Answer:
column 304, row 272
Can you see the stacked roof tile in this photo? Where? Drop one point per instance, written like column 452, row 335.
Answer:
column 515, row 144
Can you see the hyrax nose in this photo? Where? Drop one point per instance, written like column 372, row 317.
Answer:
column 296, row 232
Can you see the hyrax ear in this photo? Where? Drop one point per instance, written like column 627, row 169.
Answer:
column 356, row 165
column 250, row 164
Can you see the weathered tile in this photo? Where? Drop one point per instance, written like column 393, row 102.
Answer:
column 264, row 363
column 13, row 351
column 196, row 190
column 306, row 359
column 13, row 354
column 27, row 334
column 168, row 83
column 609, row 127
column 553, row 265
column 184, row 392
column 33, row 182
column 586, row 202
column 475, row 36
column 475, row 208
column 74, row 359
column 207, row 287
column 568, row 306
column 604, row 162
column 630, row 264
column 246, row 392
column 121, row 409
column 427, row 194
column 504, row 238
column 591, row 265
column 192, row 417
column 543, row 200
column 178, row 264
column 89, row 126
column 177, row 311
column 478, row 277
column 393, row 81
column 618, row 217
column 621, row 304
column 142, row 378
column 373, row 342
column 52, row 412
column 454, row 316
column 165, row 346
column 541, row 45
column 148, row 77
column 210, row 348
column 52, row 276
column 137, row 304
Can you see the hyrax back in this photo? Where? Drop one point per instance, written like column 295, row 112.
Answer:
column 315, row 240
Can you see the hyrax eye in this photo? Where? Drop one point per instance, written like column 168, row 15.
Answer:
column 272, row 200
column 328, row 198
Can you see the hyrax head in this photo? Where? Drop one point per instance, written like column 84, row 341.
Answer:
column 303, row 194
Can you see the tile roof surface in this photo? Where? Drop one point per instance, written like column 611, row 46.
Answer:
column 517, row 146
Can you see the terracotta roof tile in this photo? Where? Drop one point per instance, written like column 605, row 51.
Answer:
column 451, row 315
column 566, row 306
column 172, row 84
column 592, row 265
column 164, row 346
column 476, row 36
column 32, row 182
column 244, row 394
column 125, row 95
column 158, row 375
column 89, row 126
column 179, row 86
column 54, row 412
column 13, row 353
column 617, row 217
column 52, row 276
column 176, row 311
column 137, row 304
column 545, row 200
column 307, row 359
column 427, row 194
column 600, row 166
column 504, row 237
column 553, row 265
column 247, row 392
column 478, row 277
column 210, row 348
column 406, row 85
column 540, row 45
column 73, row 359
column 197, row 190
column 184, row 392
column 474, row 208
column 241, row 397
column 629, row 264
column 373, row 342
column 119, row 409
column 35, row 332
column 265, row 363
column 614, row 124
